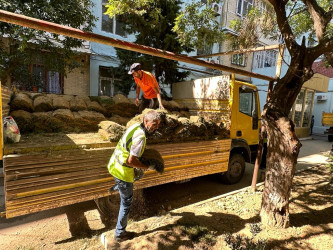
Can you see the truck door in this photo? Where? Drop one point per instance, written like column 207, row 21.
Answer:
column 245, row 120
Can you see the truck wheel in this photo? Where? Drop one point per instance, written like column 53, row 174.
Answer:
column 236, row 169
column 330, row 138
column 106, row 208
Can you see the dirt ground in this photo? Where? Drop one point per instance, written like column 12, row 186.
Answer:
column 225, row 222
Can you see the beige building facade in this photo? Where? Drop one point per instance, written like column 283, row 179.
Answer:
column 227, row 11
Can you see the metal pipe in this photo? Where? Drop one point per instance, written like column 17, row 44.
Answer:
column 34, row 23
column 276, row 46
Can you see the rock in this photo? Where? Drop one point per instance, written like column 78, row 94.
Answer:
column 21, row 101
column 43, row 104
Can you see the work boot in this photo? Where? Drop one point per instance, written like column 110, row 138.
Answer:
column 124, row 236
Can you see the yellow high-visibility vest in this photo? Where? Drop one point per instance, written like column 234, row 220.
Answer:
column 117, row 165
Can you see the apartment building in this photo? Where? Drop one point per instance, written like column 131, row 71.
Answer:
column 104, row 58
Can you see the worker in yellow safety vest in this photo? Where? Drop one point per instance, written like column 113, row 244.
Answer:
column 122, row 163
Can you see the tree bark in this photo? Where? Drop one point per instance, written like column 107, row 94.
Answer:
column 283, row 145
column 283, row 148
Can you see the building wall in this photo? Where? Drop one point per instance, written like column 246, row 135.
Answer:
column 322, row 106
column 77, row 82
column 102, row 55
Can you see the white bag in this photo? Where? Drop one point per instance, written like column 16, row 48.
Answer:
column 11, row 132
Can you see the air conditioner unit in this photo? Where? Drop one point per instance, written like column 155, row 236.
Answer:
column 321, row 97
column 217, row 8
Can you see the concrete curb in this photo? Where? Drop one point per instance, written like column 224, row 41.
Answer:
column 104, row 239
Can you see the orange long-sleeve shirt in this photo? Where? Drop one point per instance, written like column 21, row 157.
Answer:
column 146, row 83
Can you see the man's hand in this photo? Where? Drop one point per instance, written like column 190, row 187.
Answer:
column 161, row 106
column 137, row 101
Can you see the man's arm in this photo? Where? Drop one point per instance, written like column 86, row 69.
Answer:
column 158, row 97
column 133, row 161
column 137, row 95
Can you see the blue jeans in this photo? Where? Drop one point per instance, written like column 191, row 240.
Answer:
column 126, row 196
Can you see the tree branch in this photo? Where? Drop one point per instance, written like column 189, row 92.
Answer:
column 284, row 26
column 319, row 16
column 324, row 47
column 329, row 57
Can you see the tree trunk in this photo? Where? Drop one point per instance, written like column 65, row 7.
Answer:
column 283, row 149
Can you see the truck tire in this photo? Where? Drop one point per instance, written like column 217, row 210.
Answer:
column 330, row 138
column 236, row 169
column 106, row 208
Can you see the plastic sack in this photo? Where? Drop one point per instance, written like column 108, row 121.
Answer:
column 11, row 132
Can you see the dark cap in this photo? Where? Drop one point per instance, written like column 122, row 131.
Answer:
column 134, row 67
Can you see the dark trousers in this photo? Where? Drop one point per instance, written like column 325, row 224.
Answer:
column 148, row 103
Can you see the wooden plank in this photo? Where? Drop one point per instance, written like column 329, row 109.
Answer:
column 73, row 178
column 54, row 189
column 38, row 204
column 11, row 185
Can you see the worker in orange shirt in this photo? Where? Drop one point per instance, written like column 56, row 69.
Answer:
column 151, row 91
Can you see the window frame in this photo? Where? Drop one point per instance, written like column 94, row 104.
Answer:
column 246, row 91
column 235, row 58
column 111, row 78
column 114, row 22
column 240, row 7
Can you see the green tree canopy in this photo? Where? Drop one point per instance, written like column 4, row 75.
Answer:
column 25, row 46
column 151, row 22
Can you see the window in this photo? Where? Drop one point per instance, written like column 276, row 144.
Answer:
column 246, row 101
column 206, row 50
column 112, row 25
column 264, row 7
column 264, row 59
column 238, row 59
column 46, row 81
column 106, row 82
column 299, row 108
column 243, row 7
column 307, row 109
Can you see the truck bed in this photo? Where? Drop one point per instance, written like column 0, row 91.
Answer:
column 67, row 171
